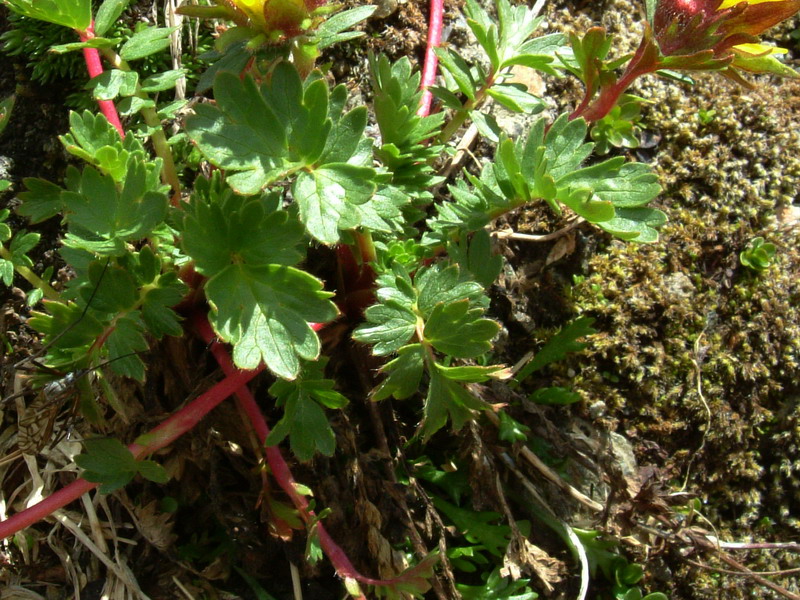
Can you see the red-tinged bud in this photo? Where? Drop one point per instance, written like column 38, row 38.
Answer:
column 285, row 16
column 686, row 27
column 278, row 18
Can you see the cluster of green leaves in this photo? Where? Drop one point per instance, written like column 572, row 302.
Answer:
column 292, row 131
column 620, row 128
column 758, row 255
column 296, row 168
column 119, row 294
column 304, row 419
column 507, row 42
column 587, row 59
column 483, row 536
column 15, row 256
column 549, row 165
column 429, row 318
column 403, row 150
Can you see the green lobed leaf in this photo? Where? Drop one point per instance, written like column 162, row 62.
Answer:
column 585, row 203
column 66, row 326
column 345, row 136
column 231, row 228
column 304, row 419
column 75, row 14
column 233, row 59
column 22, row 243
column 446, row 399
column 639, row 224
column 564, row 144
column 112, row 83
column 445, row 284
column 264, row 312
column 515, row 97
column 6, row 272
column 561, row 344
column 457, row 330
column 333, row 29
column 554, row 395
column 107, row 461
column 498, row 587
column 459, row 70
column 326, row 197
column 475, row 256
column 448, row 98
column 99, row 212
column 124, row 344
column 107, row 14
column 146, row 42
column 477, row 526
column 93, row 139
column 6, row 107
column 404, row 374
column 511, row 430
column 112, row 289
column 623, row 185
column 95, row 42
column 305, row 422
column 162, row 81
column 133, row 104
column 389, row 326
column 263, row 132
column 485, row 30
column 157, row 312
column 152, row 471
column 383, row 212
column 474, row 373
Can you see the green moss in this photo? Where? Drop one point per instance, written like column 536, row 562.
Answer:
column 686, row 304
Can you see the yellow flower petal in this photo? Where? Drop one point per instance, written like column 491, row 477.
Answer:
column 759, row 49
column 254, row 9
column 730, row 3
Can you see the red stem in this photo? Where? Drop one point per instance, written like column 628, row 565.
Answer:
column 277, row 464
column 178, row 424
column 95, row 68
column 431, row 61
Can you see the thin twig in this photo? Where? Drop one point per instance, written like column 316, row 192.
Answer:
column 703, row 541
column 740, row 573
column 462, row 150
column 297, row 589
column 698, row 373
column 545, row 237
column 549, row 474
column 548, row 516
column 182, row 588
column 123, row 574
column 759, row 545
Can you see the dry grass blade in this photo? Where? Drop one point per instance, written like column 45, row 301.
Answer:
column 121, row 571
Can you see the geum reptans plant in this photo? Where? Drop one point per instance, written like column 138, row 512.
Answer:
column 155, row 246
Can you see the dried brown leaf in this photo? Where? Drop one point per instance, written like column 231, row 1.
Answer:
column 156, row 526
